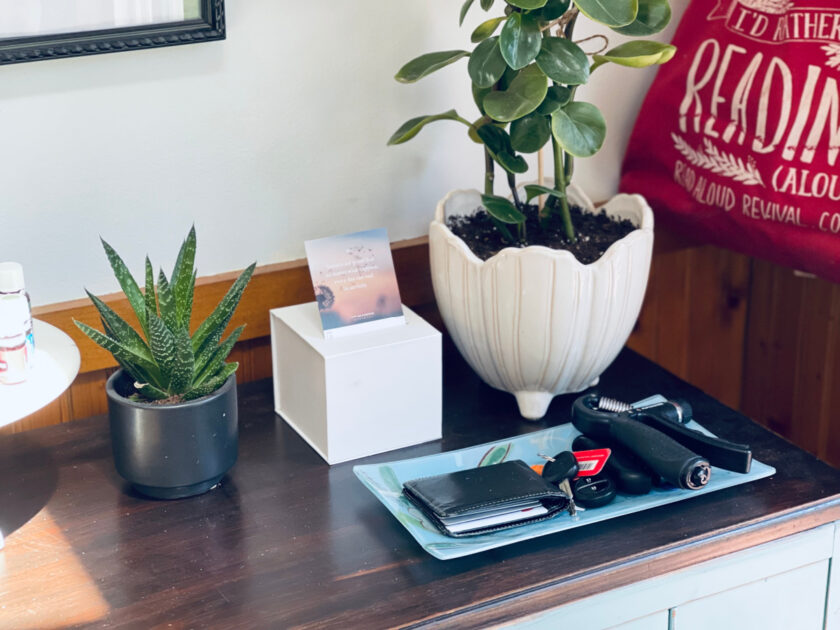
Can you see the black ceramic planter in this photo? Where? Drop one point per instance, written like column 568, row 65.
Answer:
column 173, row 451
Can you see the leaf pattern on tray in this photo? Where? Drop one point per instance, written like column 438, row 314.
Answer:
column 495, row 455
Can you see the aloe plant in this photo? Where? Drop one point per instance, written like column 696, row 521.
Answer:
column 166, row 362
column 524, row 83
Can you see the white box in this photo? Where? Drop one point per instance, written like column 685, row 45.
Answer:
column 357, row 395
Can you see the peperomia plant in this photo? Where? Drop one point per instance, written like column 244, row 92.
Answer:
column 524, row 82
column 169, row 364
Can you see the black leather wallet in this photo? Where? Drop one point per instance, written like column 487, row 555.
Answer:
column 469, row 502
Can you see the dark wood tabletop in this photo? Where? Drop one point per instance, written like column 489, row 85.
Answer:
column 288, row 541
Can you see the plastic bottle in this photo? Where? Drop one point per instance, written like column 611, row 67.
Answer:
column 17, row 343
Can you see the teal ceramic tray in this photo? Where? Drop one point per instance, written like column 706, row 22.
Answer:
column 385, row 482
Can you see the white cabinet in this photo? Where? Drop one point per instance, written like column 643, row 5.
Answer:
column 785, row 584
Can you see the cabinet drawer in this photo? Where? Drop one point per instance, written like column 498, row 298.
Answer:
column 795, row 599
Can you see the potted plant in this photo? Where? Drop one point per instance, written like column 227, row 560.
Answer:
column 172, row 405
column 539, row 298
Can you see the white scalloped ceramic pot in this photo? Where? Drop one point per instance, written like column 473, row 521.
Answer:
column 534, row 321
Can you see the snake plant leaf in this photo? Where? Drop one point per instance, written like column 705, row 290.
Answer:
column 119, row 329
column 213, row 384
column 166, row 302
column 499, row 145
column 208, row 365
column 221, row 315
column 182, row 365
column 486, row 65
column 464, row 10
column 163, row 347
column 553, row 9
column 150, row 392
column 534, row 190
column 120, row 352
column 527, row 4
column 486, row 29
column 524, row 95
column 127, row 284
column 579, row 128
column 529, row 134
column 487, row 4
column 638, row 53
column 411, row 128
column 424, row 65
column 182, row 275
column 563, row 61
column 521, row 40
column 149, row 292
column 653, row 17
column 502, row 209
column 609, row 12
column 556, row 97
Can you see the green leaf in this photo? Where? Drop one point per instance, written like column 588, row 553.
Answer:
column 527, row 4
column 563, row 61
column 221, row 315
column 653, row 17
column 412, row 127
column 486, row 29
column 520, row 40
column 499, row 145
column 213, row 384
column 121, row 353
column 553, row 9
column 533, row 190
column 530, row 134
column 609, row 12
column 639, row 53
column 486, row 4
column 150, row 392
column 502, row 209
column 149, row 292
column 182, row 366
column 486, row 65
column 166, row 302
column 390, row 480
column 163, row 347
column 127, row 284
column 207, row 366
column 464, row 10
column 119, row 329
column 495, row 455
column 479, row 94
column 524, row 95
column 556, row 97
column 181, row 277
column 424, row 65
column 580, row 128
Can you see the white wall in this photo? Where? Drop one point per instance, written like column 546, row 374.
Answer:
column 271, row 137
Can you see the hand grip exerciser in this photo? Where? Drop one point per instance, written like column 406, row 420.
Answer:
column 667, row 457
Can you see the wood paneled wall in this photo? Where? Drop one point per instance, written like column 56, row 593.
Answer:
column 758, row 337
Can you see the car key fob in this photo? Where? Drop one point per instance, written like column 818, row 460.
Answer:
column 593, row 492
column 629, row 473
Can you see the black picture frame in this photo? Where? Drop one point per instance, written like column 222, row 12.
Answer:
column 209, row 27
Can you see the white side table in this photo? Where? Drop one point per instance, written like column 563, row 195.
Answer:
column 56, row 363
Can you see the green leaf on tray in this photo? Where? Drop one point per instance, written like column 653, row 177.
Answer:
column 495, row 455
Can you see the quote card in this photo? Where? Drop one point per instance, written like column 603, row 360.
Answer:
column 355, row 282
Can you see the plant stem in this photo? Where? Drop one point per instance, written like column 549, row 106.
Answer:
column 560, row 185
column 489, row 172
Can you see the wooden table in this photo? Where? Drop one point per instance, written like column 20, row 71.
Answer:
column 288, row 541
